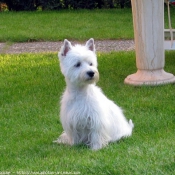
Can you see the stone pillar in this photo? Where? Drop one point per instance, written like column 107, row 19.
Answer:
column 148, row 19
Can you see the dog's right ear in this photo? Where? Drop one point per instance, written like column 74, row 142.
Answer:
column 90, row 45
column 66, row 47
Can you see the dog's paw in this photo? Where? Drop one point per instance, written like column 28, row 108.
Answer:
column 95, row 147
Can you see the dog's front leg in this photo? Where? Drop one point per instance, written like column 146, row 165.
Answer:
column 96, row 141
column 76, row 137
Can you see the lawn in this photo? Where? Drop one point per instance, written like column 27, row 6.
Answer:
column 58, row 25
column 73, row 25
column 30, row 89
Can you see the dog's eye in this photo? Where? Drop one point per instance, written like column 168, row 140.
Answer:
column 90, row 64
column 78, row 64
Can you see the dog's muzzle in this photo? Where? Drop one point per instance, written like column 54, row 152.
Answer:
column 93, row 75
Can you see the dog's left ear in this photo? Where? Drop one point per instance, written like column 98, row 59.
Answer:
column 90, row 45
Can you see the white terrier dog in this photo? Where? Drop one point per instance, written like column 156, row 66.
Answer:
column 87, row 115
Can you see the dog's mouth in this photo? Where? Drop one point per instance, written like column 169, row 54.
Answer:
column 90, row 79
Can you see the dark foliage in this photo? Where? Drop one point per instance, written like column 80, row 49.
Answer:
column 29, row 5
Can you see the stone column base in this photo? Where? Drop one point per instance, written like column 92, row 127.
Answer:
column 149, row 77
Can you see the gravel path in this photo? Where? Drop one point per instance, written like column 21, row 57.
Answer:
column 35, row 47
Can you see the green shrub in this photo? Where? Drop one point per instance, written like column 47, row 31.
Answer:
column 29, row 5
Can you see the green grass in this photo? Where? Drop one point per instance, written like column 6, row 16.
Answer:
column 73, row 25
column 30, row 89
column 58, row 25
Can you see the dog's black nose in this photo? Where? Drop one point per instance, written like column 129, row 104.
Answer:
column 90, row 73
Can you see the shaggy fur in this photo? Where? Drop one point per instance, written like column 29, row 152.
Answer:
column 87, row 115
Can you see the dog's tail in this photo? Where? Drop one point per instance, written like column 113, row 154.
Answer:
column 131, row 123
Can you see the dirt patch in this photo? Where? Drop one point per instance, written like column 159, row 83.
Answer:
column 36, row 47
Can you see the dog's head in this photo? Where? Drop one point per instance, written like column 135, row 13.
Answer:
column 79, row 63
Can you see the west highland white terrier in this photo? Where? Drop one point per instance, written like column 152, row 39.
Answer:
column 87, row 115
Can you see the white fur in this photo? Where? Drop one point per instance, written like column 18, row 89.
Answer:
column 87, row 115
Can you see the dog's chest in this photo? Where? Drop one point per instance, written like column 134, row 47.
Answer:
column 82, row 106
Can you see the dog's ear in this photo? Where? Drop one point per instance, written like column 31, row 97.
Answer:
column 66, row 47
column 90, row 45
